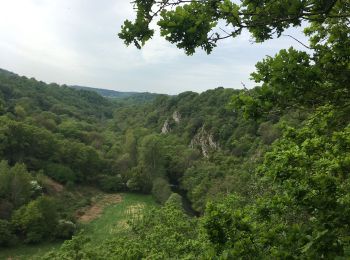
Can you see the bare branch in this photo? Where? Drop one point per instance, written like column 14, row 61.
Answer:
column 287, row 35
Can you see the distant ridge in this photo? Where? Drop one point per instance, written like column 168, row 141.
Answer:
column 113, row 94
column 6, row 72
column 119, row 94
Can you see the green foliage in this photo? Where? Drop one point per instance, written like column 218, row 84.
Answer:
column 296, row 79
column 175, row 200
column 25, row 143
column 152, row 155
column 160, row 234
column 60, row 173
column 65, row 229
column 193, row 24
column 228, row 227
column 82, row 159
column 6, row 208
column 310, row 165
column 111, row 183
column 188, row 27
column 71, row 249
column 303, row 212
column 268, row 132
column 161, row 190
column 6, row 236
column 15, row 184
column 139, row 180
column 36, row 221
column 214, row 180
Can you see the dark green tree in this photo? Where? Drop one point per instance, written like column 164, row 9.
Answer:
column 36, row 221
column 6, row 235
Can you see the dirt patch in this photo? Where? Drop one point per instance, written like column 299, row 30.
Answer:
column 97, row 207
column 53, row 185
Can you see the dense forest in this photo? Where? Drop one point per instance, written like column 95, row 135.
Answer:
column 238, row 174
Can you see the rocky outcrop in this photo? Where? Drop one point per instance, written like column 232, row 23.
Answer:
column 169, row 123
column 204, row 141
column 166, row 127
column 177, row 117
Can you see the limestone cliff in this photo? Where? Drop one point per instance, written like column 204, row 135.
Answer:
column 204, row 141
column 166, row 127
column 177, row 117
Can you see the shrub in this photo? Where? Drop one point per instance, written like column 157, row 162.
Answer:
column 161, row 190
column 60, row 173
column 175, row 200
column 65, row 229
column 268, row 132
column 111, row 183
column 6, row 235
column 6, row 208
column 36, row 220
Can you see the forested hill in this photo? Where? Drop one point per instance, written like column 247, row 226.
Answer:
column 30, row 95
column 140, row 96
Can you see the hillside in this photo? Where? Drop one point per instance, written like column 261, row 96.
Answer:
column 33, row 95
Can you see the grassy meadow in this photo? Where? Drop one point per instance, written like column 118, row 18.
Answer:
column 115, row 217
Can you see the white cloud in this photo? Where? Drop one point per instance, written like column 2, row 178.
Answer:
column 75, row 42
column 158, row 50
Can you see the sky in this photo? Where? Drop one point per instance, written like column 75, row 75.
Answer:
column 75, row 42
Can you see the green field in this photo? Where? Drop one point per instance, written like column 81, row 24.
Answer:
column 114, row 218
column 112, row 221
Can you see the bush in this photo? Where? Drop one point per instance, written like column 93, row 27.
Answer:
column 268, row 132
column 60, row 173
column 15, row 184
column 65, row 229
column 242, row 146
column 111, row 183
column 175, row 200
column 6, row 236
column 36, row 220
column 139, row 181
column 161, row 190
column 6, row 208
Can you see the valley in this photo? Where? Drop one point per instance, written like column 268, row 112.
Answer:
column 259, row 172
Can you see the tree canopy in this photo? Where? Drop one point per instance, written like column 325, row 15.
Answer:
column 192, row 24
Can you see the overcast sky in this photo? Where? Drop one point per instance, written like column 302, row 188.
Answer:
column 75, row 42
